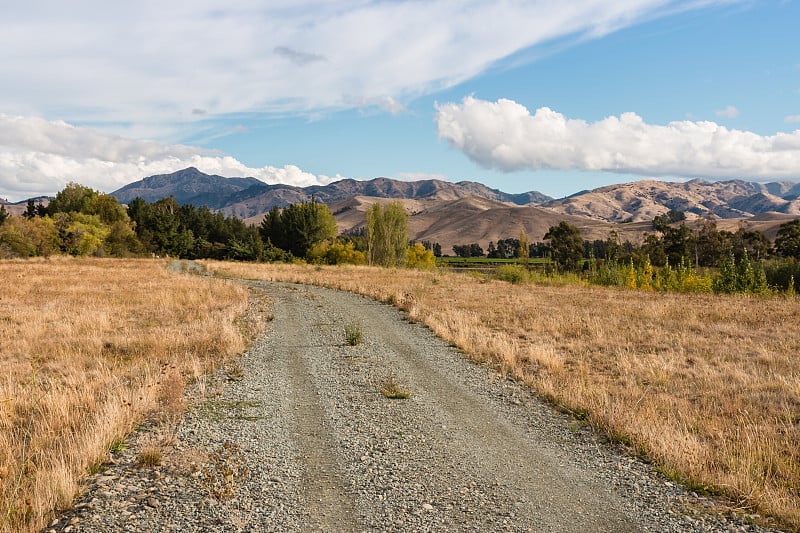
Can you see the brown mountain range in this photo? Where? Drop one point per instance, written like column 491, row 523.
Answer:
column 466, row 212
column 643, row 200
column 480, row 220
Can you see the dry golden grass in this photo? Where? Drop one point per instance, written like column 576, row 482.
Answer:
column 707, row 386
column 89, row 348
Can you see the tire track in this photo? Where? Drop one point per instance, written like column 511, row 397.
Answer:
column 327, row 504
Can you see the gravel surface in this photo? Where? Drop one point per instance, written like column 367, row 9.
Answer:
column 296, row 436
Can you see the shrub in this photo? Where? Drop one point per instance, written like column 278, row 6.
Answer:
column 393, row 390
column 150, row 455
column 515, row 274
column 697, row 284
column 420, row 258
column 337, row 253
column 783, row 275
column 353, row 333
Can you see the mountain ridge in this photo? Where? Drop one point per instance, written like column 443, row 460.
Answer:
column 643, row 200
column 636, row 201
column 456, row 213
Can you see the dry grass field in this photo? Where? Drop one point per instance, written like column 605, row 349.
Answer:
column 89, row 349
column 708, row 387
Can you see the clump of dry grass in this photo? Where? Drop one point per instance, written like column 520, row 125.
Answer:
column 707, row 386
column 89, row 348
column 150, row 455
column 392, row 390
column 353, row 334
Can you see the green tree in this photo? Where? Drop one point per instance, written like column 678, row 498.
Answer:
column 672, row 216
column 298, row 227
column 566, row 245
column 468, row 250
column 74, row 198
column 84, row 234
column 387, row 234
column 612, row 249
column 107, row 208
column 164, row 223
column 122, row 241
column 30, row 209
column 248, row 247
column 3, row 214
column 740, row 275
column 307, row 224
column 678, row 243
column 787, row 243
column 271, row 229
column 711, row 244
column 753, row 242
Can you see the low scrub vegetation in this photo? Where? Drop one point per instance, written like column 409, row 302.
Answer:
column 353, row 333
column 707, row 386
column 90, row 347
column 392, row 390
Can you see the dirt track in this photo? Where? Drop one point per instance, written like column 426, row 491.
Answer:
column 299, row 438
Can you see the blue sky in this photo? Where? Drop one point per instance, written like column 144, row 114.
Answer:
column 517, row 95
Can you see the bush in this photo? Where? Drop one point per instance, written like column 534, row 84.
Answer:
column 783, row 275
column 20, row 237
column 608, row 274
column 421, row 258
column 515, row 274
column 337, row 253
column 740, row 276
column 392, row 390
column 696, row 283
column 353, row 334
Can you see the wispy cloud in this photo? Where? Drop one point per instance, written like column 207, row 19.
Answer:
column 38, row 157
column 420, row 176
column 160, row 63
column 298, row 58
column 729, row 112
column 504, row 135
column 792, row 119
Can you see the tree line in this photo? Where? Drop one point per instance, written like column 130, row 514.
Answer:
column 675, row 257
column 83, row 222
column 704, row 247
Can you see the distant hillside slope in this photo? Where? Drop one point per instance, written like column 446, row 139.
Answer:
column 18, row 208
column 261, row 199
column 643, row 200
column 468, row 220
column 248, row 197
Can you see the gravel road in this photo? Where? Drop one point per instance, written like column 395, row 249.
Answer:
column 297, row 437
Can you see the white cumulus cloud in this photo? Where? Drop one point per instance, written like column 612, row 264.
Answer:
column 38, row 157
column 504, row 135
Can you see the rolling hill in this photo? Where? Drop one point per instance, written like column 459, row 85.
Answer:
column 466, row 212
column 643, row 200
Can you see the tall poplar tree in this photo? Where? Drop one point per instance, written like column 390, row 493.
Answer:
column 387, row 234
